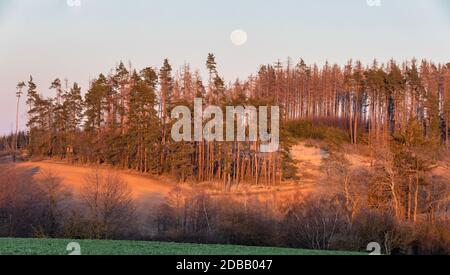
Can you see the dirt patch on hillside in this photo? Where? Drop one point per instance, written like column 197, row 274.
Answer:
column 151, row 191
column 309, row 161
column 144, row 188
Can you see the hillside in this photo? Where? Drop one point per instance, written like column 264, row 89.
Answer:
column 149, row 190
column 144, row 188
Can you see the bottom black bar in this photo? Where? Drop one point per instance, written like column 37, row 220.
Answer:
column 222, row 264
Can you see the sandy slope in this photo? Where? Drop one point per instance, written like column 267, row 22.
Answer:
column 309, row 159
column 151, row 191
column 143, row 187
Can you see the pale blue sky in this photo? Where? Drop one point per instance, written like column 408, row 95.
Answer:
column 49, row 39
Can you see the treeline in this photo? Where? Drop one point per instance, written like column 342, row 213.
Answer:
column 379, row 99
column 7, row 142
column 124, row 119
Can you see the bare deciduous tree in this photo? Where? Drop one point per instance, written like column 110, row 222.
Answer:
column 54, row 195
column 109, row 202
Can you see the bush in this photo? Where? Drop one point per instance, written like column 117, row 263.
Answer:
column 315, row 223
column 306, row 129
column 431, row 239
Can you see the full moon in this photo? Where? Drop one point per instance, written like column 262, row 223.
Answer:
column 238, row 37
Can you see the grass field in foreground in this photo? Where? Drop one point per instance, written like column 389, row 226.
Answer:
column 91, row 247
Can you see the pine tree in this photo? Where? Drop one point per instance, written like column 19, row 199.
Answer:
column 72, row 115
column 121, row 84
column 96, row 104
column 395, row 87
column 216, row 85
column 19, row 93
column 166, row 90
column 32, row 98
column 211, row 65
column 143, row 136
column 59, row 119
column 166, row 93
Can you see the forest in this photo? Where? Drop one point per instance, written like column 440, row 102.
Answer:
column 397, row 114
column 124, row 118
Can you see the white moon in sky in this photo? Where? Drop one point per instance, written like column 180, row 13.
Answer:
column 238, row 37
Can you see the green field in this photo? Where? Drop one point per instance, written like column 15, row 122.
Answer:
column 89, row 247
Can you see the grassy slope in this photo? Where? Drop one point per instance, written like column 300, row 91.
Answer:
column 88, row 247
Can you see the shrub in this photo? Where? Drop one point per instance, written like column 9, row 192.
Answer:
column 306, row 129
